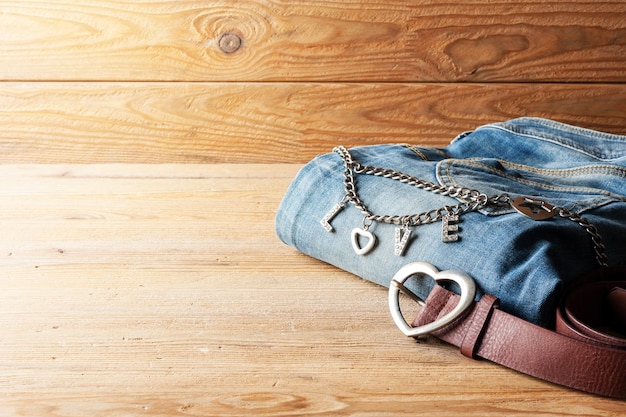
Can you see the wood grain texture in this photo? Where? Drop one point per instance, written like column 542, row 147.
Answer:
column 162, row 290
column 319, row 40
column 270, row 122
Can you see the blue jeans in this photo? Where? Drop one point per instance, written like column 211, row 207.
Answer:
column 524, row 262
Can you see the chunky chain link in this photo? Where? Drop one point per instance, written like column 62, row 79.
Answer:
column 596, row 238
column 471, row 200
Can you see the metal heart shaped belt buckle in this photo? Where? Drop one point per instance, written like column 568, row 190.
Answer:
column 464, row 281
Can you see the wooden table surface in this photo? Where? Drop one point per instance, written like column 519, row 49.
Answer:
column 162, row 290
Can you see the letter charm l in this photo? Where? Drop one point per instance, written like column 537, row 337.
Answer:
column 329, row 216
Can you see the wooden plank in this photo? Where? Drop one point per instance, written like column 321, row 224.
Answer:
column 140, row 290
column 314, row 40
column 270, row 122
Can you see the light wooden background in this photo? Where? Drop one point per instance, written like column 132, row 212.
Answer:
column 160, row 289
column 146, row 81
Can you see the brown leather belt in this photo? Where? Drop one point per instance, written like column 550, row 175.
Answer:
column 586, row 352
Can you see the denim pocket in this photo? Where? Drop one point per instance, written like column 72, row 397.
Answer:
column 566, row 143
column 577, row 189
column 540, row 143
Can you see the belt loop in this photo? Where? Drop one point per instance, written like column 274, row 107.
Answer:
column 481, row 315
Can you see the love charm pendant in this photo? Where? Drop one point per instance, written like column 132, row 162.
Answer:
column 449, row 228
column 402, row 238
column 363, row 233
column 371, row 241
column 325, row 222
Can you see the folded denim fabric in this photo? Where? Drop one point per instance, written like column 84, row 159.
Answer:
column 524, row 262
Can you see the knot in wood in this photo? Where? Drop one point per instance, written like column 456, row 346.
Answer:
column 230, row 42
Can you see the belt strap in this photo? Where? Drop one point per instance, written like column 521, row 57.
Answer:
column 586, row 352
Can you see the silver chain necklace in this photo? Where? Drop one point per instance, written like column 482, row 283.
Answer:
column 471, row 200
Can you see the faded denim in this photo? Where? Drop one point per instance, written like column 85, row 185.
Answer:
column 524, row 262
